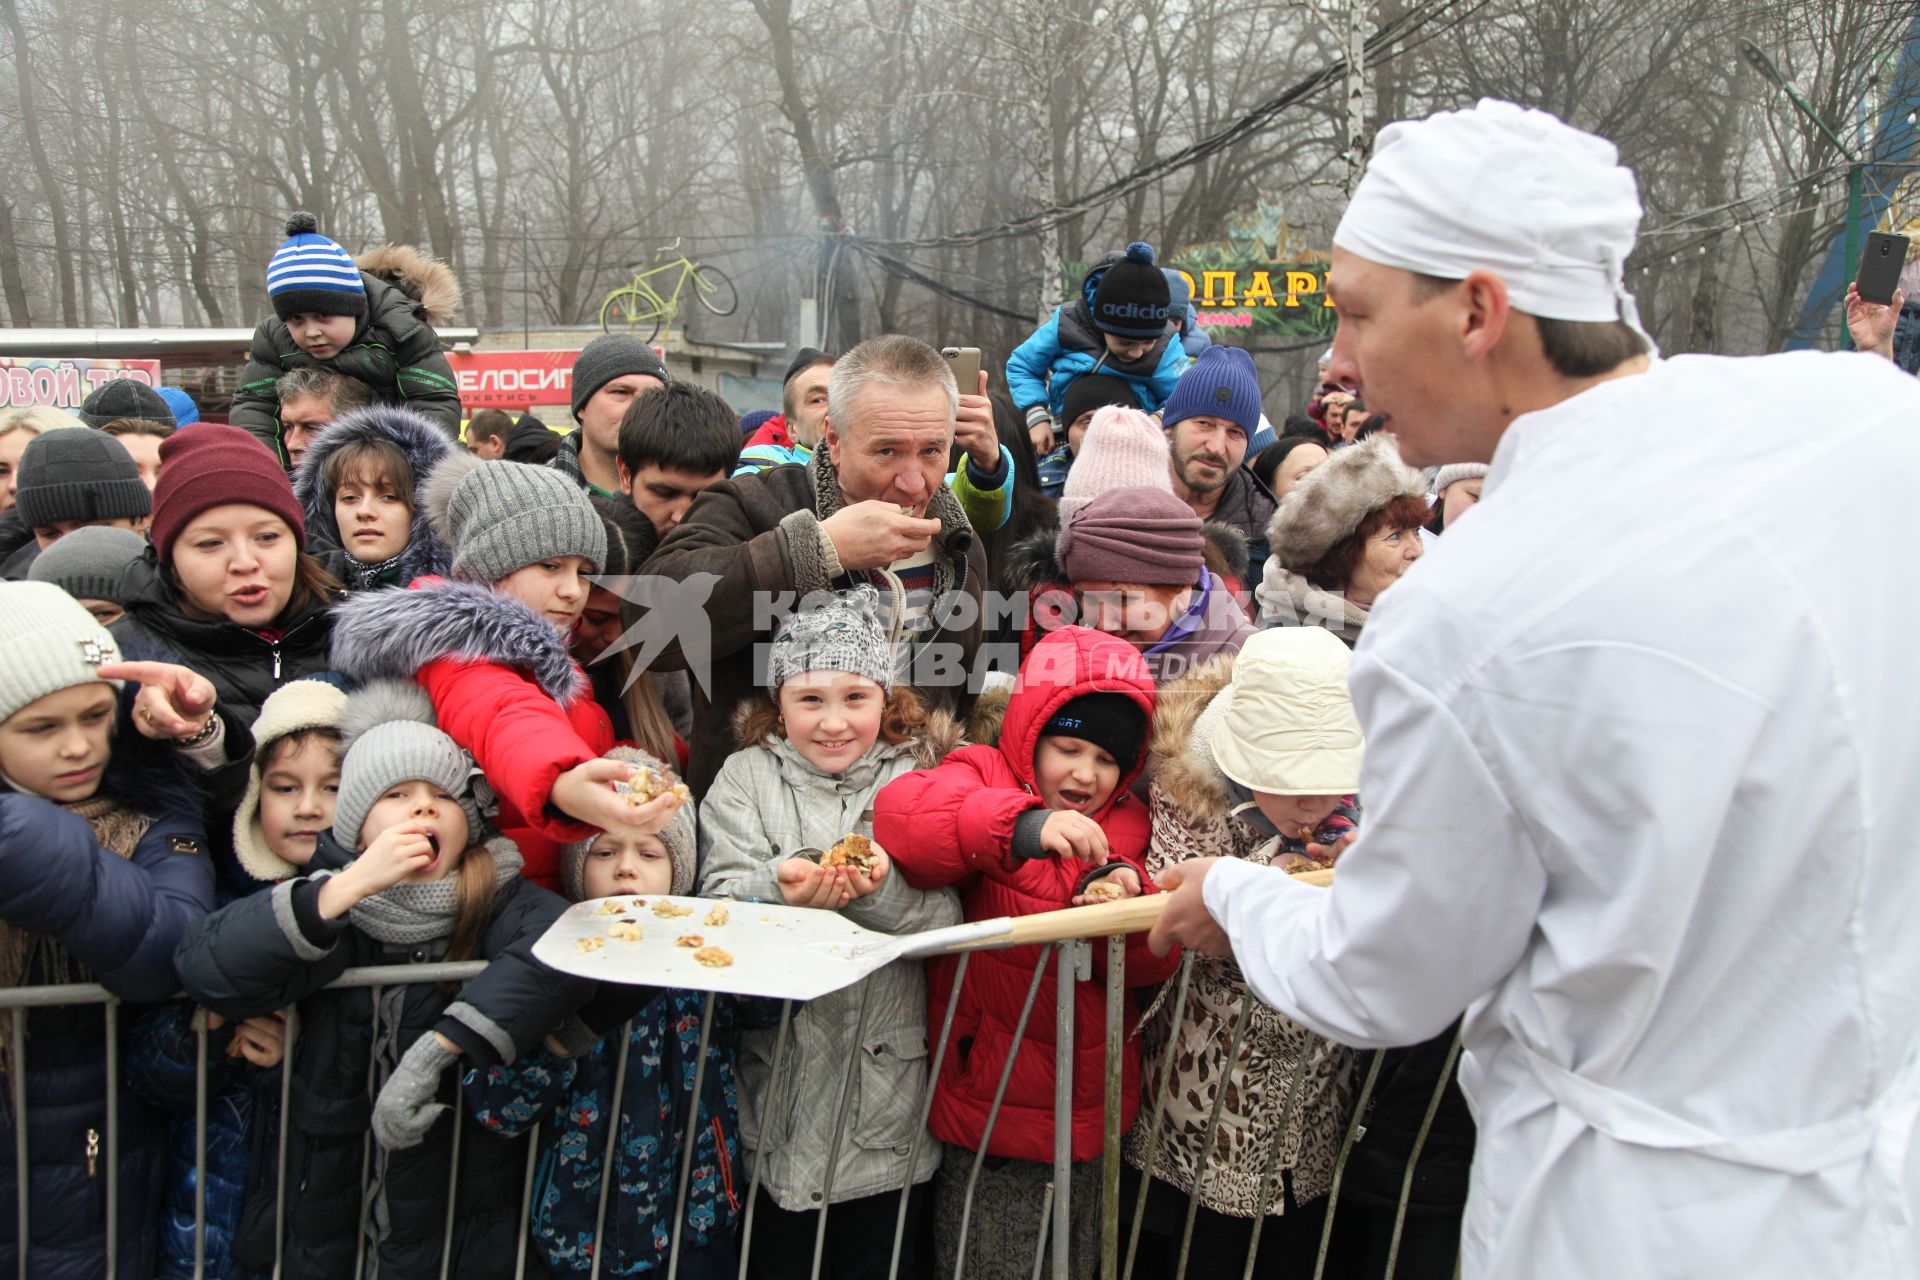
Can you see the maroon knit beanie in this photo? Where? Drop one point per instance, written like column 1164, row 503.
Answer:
column 208, row 465
column 1132, row 535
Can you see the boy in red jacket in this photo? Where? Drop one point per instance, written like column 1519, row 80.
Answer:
column 1042, row 820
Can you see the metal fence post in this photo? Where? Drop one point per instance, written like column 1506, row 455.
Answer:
column 113, row 1135
column 21, row 1173
column 613, row 1136
column 753, row 1183
column 1183, row 981
column 1340, row 1165
column 926, row 1110
column 840, row 1127
column 693, row 1136
column 286, row 1124
column 1115, row 1107
column 1213, row 1129
column 993, row 1111
column 199, row 1019
column 1075, row 961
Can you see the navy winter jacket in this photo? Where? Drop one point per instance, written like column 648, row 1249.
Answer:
column 273, row 950
column 120, row 918
column 243, row 1106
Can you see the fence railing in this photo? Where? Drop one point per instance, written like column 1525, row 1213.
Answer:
column 1120, row 1224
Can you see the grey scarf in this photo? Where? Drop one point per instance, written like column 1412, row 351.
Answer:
column 413, row 911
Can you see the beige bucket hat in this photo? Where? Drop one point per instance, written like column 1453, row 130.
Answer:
column 1289, row 727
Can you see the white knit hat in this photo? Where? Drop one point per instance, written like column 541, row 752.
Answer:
column 295, row 707
column 48, row 642
column 1455, row 472
column 1288, row 726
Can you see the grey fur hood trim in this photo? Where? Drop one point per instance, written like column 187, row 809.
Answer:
column 428, row 281
column 424, row 445
column 1331, row 501
column 394, row 632
column 436, row 492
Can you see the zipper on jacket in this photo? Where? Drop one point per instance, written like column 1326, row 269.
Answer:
column 726, row 1165
column 93, row 1151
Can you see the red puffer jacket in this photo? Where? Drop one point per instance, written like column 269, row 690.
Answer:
column 503, row 686
column 953, row 825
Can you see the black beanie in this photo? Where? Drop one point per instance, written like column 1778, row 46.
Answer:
column 1113, row 722
column 1132, row 298
column 808, row 357
column 1092, row 391
column 79, row 475
column 610, row 356
column 124, row 398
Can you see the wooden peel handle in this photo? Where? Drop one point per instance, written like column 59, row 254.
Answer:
column 1129, row 915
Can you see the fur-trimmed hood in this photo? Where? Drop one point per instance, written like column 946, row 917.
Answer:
column 942, row 733
column 394, row 632
column 1182, row 751
column 425, row 447
column 1329, row 503
column 428, row 281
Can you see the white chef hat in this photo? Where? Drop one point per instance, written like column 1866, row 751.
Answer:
column 1547, row 208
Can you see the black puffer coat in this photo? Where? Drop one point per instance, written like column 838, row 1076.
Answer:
column 244, row 665
column 396, row 350
column 272, row 950
column 120, row 918
column 1398, row 1105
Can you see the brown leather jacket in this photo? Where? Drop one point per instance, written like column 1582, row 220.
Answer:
column 759, row 536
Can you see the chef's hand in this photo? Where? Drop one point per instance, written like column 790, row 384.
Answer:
column 1185, row 920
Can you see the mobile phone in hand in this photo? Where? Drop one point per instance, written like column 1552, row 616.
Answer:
column 966, row 368
column 1880, row 263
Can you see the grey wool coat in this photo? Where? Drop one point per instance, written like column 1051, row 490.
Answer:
column 766, row 803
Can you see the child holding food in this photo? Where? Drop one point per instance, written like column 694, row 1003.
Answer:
column 572, row 1098
column 815, row 750
column 1043, row 820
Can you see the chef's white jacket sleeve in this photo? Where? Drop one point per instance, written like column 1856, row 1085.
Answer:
column 1433, row 904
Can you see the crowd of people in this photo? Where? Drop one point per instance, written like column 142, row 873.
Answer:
column 346, row 682
column 342, row 682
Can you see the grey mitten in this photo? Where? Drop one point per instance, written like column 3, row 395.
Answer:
column 405, row 1109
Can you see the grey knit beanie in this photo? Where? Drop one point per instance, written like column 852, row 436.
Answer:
column 392, row 753
column 47, row 643
column 611, row 356
column 79, row 475
column 842, row 633
column 124, row 398
column 502, row 516
column 89, row 563
column 677, row 835
column 1455, row 472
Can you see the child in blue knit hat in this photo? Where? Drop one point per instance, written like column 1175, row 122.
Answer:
column 371, row 318
column 1123, row 323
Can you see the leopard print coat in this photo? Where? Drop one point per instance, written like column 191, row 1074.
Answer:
column 1192, row 819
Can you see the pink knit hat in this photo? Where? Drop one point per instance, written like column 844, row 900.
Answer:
column 1132, row 535
column 1123, row 449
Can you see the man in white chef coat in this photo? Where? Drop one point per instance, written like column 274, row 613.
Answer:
column 1642, row 780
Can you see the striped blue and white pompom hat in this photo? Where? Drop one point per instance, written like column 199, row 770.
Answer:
column 310, row 274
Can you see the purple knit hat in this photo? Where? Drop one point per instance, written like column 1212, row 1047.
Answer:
column 1132, row 535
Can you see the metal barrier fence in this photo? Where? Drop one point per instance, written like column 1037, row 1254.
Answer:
column 1072, row 963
